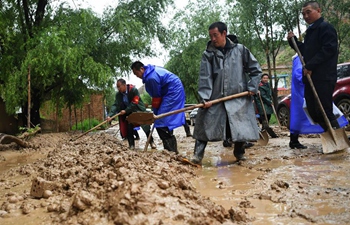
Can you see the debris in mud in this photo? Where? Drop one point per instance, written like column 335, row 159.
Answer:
column 41, row 188
column 97, row 180
column 238, row 215
column 277, row 185
column 245, row 204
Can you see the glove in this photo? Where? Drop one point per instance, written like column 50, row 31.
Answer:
column 156, row 102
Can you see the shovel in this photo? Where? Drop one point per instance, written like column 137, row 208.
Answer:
column 332, row 140
column 149, row 118
column 265, row 123
column 264, row 138
column 95, row 127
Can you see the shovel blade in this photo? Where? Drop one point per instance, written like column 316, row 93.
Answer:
column 141, row 118
column 337, row 142
column 264, row 138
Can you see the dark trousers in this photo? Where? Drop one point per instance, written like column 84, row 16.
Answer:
column 168, row 139
column 131, row 131
column 130, row 134
column 262, row 118
column 164, row 133
column 324, row 90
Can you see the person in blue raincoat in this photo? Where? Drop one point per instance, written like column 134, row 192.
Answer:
column 299, row 123
column 167, row 94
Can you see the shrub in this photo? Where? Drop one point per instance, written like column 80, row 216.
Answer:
column 87, row 124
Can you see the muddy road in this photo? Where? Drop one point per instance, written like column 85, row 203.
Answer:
column 97, row 180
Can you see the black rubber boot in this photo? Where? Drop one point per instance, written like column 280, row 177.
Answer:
column 131, row 142
column 227, row 143
column 294, row 142
column 248, row 144
column 296, row 145
column 198, row 152
column 170, row 144
column 130, row 136
column 239, row 150
column 271, row 132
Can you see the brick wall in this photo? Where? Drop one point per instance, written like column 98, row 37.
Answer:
column 90, row 110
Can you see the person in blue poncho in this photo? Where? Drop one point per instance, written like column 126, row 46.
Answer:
column 299, row 123
column 167, row 94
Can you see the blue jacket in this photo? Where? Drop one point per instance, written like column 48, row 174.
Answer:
column 299, row 123
column 160, row 83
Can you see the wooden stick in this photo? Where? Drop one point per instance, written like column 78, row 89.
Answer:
column 97, row 126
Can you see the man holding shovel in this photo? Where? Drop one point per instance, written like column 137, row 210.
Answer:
column 320, row 53
column 224, row 69
column 167, row 94
column 127, row 101
column 264, row 105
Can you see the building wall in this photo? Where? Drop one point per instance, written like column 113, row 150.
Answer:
column 95, row 109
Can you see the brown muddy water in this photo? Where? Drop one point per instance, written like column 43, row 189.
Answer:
column 99, row 181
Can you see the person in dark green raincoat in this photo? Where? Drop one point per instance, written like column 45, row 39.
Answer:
column 266, row 97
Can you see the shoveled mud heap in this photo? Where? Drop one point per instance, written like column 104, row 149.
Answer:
column 96, row 180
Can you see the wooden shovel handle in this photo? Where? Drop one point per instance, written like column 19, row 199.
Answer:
column 263, row 107
column 97, row 126
column 201, row 105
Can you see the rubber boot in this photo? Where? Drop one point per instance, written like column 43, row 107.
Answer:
column 239, row 150
column 188, row 131
column 227, row 143
column 248, row 144
column 198, row 152
column 265, row 126
column 294, row 142
column 271, row 132
column 131, row 142
column 170, row 144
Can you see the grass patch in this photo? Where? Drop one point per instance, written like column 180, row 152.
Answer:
column 88, row 124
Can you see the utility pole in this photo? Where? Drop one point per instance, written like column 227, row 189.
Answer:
column 29, row 103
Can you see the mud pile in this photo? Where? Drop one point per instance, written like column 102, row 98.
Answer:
column 96, row 180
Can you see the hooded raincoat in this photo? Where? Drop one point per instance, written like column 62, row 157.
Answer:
column 223, row 75
column 160, row 83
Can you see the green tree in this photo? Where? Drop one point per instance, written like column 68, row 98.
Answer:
column 337, row 13
column 267, row 22
column 189, row 38
column 71, row 51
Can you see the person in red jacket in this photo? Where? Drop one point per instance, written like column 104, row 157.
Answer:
column 127, row 101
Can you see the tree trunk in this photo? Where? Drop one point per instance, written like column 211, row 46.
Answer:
column 34, row 111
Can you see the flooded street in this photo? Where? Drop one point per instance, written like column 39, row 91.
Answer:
column 275, row 185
